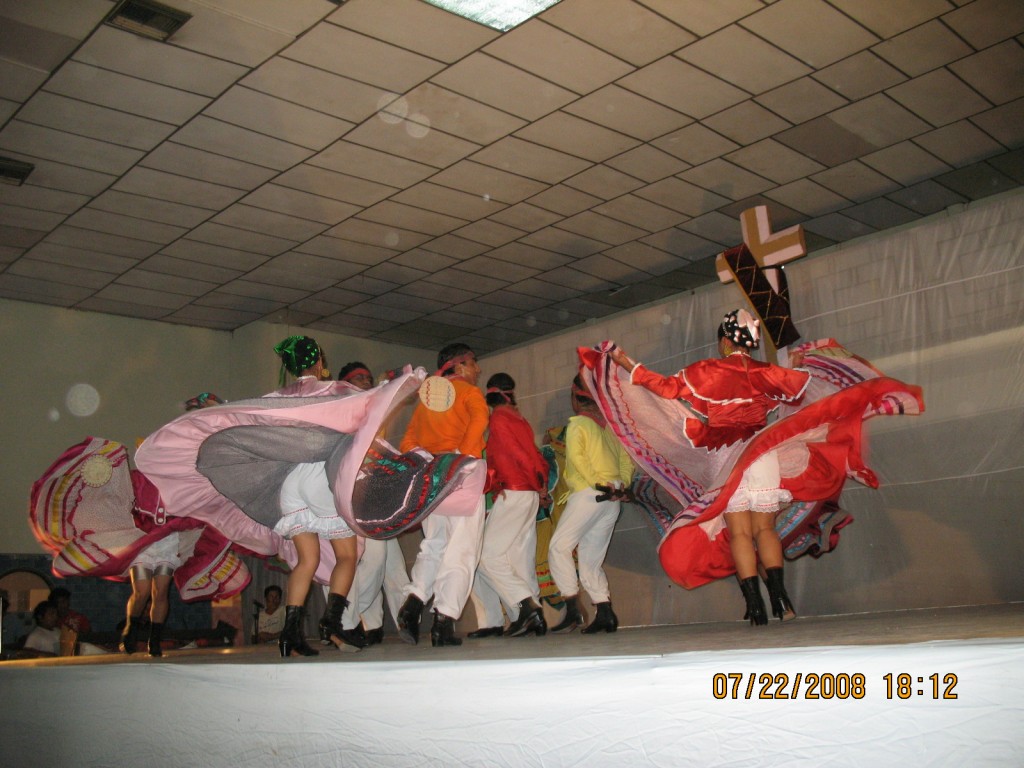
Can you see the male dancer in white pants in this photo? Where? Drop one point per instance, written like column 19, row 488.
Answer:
column 597, row 470
column 450, row 549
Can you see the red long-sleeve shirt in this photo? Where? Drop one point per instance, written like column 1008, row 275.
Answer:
column 513, row 461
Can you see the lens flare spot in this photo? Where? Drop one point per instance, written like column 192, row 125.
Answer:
column 82, row 400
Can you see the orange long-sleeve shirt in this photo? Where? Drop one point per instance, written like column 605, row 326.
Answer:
column 461, row 428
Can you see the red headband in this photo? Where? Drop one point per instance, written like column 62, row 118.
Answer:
column 457, row 360
column 356, row 372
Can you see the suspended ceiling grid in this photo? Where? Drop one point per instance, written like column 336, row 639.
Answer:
column 385, row 169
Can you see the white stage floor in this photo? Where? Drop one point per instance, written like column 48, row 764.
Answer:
column 819, row 690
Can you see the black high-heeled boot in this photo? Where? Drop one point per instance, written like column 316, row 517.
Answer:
column 156, row 636
column 781, row 604
column 573, row 617
column 293, row 639
column 330, row 626
column 606, row 620
column 130, row 636
column 409, row 616
column 476, row 634
column 531, row 619
column 755, row 603
column 443, row 631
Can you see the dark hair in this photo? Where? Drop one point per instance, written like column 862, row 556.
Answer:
column 58, row 592
column 347, row 368
column 272, row 588
column 578, row 388
column 450, row 353
column 299, row 353
column 41, row 608
column 505, row 385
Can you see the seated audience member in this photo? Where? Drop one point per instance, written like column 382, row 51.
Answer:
column 44, row 640
column 68, row 617
column 270, row 620
column 10, row 628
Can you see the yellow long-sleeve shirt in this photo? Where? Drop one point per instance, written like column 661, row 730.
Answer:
column 594, row 455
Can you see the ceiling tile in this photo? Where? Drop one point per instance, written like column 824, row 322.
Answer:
column 80, row 257
column 531, row 160
column 959, row 144
column 454, row 113
column 381, row 235
column 433, row 197
column 725, row 179
column 683, row 87
column 489, row 233
column 456, row 278
column 939, row 97
column 362, row 58
column 617, row 272
column 116, row 224
column 855, row 181
column 927, row 198
column 564, row 242
column 537, row 258
column 295, row 124
column 416, row 26
column 1005, row 124
column 977, row 181
column 208, row 253
column 837, row 227
column 326, row 270
column 695, row 144
column 168, row 265
column 746, row 123
column 627, row 112
column 124, row 93
column 365, row 163
column 269, row 223
column 886, row 19
column 681, row 196
column 337, row 186
column 504, row 86
column 526, row 217
column 646, row 163
column 46, row 143
column 603, row 183
column 241, row 144
column 357, row 254
column 825, row 141
column 715, row 227
column 413, row 219
column 640, row 213
column 743, row 59
column 231, row 237
column 157, row 281
column 497, row 268
column 454, row 246
column 395, row 273
column 997, row 73
column 530, row 295
column 597, row 227
column 557, row 57
column 142, row 296
column 193, row 163
column 879, row 121
column 881, row 213
column 564, row 200
column 317, row 89
column 59, row 273
column 923, row 48
column 808, row 198
column 810, row 30
column 413, row 141
column 29, row 195
column 151, row 209
column 651, row 260
column 179, row 189
column 68, row 178
column 859, row 76
column 577, row 137
column 428, row 261
column 905, row 162
column 621, row 27
column 801, row 100
column 986, row 22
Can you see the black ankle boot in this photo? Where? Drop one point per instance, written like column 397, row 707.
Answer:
column 409, row 616
column 293, row 639
column 130, row 636
column 476, row 634
column 374, row 636
column 573, row 617
column 330, row 625
column 531, row 619
column 605, row 621
column 443, row 631
column 755, row 603
column 777, row 596
column 156, row 635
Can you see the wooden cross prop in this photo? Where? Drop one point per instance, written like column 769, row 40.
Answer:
column 756, row 267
